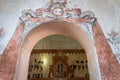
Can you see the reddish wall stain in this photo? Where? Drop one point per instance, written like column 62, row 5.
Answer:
column 9, row 58
column 109, row 67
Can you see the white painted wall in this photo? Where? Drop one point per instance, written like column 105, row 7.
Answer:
column 106, row 11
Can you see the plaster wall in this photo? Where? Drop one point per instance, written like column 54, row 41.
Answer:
column 107, row 12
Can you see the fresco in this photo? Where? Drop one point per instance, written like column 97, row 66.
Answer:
column 114, row 41
column 107, row 12
column 67, row 9
column 58, row 11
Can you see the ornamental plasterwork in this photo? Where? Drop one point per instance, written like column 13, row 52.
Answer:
column 57, row 10
column 114, row 41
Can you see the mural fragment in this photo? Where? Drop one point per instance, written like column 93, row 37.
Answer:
column 114, row 41
column 58, row 11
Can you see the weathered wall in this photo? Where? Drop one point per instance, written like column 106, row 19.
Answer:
column 107, row 12
column 109, row 66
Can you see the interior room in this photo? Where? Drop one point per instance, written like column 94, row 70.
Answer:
column 58, row 57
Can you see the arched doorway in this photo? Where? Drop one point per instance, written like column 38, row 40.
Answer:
column 58, row 57
column 62, row 28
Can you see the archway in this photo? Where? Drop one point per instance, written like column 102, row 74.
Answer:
column 58, row 57
column 51, row 28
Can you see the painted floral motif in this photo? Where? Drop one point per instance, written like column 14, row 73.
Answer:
column 114, row 40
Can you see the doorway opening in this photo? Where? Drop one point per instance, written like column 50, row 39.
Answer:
column 56, row 28
column 58, row 57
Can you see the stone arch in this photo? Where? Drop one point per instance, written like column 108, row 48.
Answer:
column 51, row 28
